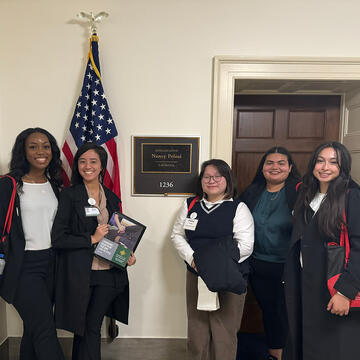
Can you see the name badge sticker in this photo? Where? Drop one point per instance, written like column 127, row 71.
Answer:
column 190, row 224
column 91, row 211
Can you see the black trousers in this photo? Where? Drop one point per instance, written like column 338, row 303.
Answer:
column 33, row 302
column 103, row 291
column 266, row 282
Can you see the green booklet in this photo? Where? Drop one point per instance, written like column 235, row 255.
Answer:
column 122, row 239
column 116, row 254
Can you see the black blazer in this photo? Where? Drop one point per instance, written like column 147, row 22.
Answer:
column 10, row 277
column 71, row 237
column 307, row 296
column 253, row 192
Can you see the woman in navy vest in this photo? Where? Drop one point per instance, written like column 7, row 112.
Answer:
column 271, row 197
column 320, row 325
column 214, row 231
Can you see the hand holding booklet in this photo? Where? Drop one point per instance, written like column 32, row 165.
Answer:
column 122, row 239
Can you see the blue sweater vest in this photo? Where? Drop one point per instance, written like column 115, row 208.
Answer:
column 213, row 223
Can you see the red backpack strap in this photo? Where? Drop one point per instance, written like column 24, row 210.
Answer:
column 9, row 214
column 344, row 238
column 344, row 235
column 194, row 200
column 298, row 185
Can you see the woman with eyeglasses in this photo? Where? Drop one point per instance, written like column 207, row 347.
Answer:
column 271, row 197
column 212, row 228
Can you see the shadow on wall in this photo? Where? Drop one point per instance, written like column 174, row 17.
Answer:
column 3, row 322
column 173, row 272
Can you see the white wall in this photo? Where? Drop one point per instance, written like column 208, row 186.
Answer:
column 156, row 59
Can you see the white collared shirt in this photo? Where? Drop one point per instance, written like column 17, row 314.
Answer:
column 316, row 201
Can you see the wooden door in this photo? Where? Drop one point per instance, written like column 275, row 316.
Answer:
column 296, row 122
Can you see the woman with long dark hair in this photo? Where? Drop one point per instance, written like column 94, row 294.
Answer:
column 211, row 221
column 87, row 288
column 320, row 325
column 271, row 197
column 28, row 278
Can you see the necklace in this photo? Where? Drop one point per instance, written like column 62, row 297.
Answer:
column 33, row 180
column 91, row 200
column 274, row 195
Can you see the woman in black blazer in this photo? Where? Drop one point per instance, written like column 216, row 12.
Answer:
column 28, row 278
column 87, row 289
column 321, row 325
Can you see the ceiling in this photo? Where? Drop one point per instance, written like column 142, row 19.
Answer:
column 261, row 86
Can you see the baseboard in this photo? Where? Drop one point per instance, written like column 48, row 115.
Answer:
column 159, row 348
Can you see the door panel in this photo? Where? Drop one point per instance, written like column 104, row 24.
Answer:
column 297, row 122
column 306, row 124
column 255, row 124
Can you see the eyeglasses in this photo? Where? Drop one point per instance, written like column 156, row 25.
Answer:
column 216, row 178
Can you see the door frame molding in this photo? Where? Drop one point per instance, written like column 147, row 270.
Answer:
column 227, row 69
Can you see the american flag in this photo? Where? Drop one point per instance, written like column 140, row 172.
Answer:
column 93, row 122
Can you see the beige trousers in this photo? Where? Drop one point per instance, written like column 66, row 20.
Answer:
column 212, row 335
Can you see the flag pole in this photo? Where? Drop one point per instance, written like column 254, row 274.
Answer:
column 113, row 329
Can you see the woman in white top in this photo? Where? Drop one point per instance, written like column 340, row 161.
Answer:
column 214, row 230
column 28, row 278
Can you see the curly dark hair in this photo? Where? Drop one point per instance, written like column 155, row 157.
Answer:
column 224, row 170
column 19, row 165
column 330, row 214
column 259, row 176
column 76, row 178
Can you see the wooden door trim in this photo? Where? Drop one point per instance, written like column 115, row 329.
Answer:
column 227, row 69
